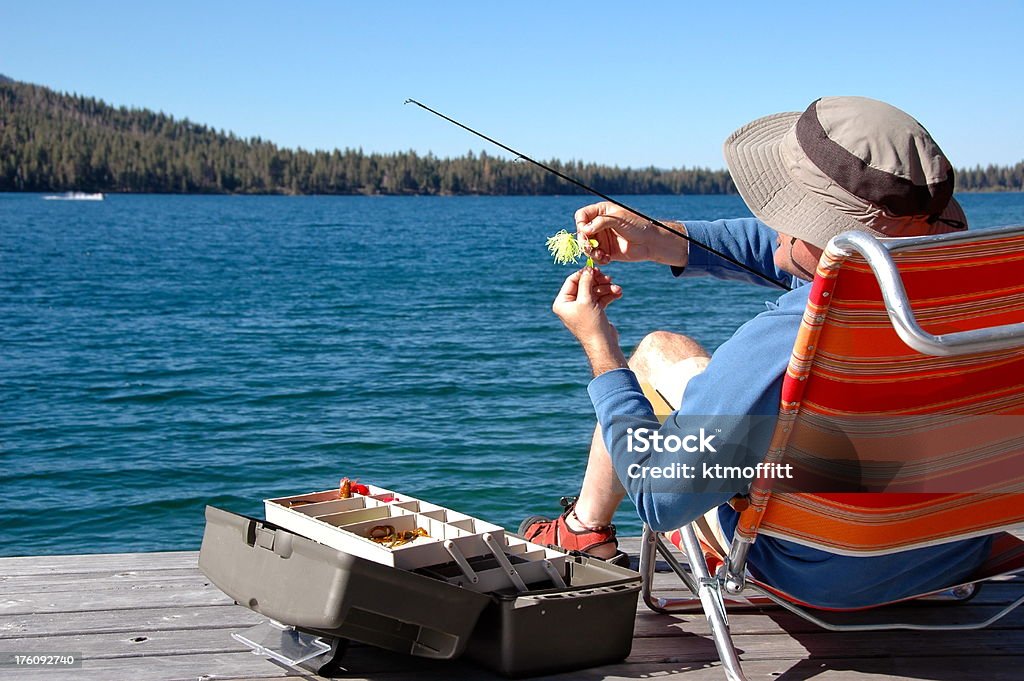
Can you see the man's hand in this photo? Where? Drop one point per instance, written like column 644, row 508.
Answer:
column 580, row 304
column 622, row 235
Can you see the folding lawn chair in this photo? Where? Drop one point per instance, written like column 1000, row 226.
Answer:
column 902, row 402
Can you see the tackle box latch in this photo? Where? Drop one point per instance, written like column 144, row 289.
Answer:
column 265, row 538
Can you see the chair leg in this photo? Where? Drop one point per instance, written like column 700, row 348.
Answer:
column 709, row 589
column 651, row 545
column 648, row 559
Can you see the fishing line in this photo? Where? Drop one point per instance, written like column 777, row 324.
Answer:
column 572, row 180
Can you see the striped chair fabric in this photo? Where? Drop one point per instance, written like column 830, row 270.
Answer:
column 895, row 449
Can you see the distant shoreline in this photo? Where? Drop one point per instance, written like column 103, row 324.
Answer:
column 56, row 142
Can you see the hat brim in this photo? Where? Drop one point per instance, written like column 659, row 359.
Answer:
column 753, row 155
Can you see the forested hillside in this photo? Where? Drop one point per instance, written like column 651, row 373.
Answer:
column 51, row 141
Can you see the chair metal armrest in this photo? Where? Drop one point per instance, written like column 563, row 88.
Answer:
column 902, row 316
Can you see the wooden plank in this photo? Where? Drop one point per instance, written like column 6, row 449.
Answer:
column 204, row 667
column 683, row 646
column 143, row 584
column 648, row 624
column 905, row 644
column 93, row 581
column 97, row 562
column 224, row 616
column 144, row 644
column 781, row 622
column 143, row 648
column 128, row 599
column 140, row 620
column 99, row 651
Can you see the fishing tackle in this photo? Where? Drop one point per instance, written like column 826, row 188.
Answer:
column 581, row 185
column 566, row 248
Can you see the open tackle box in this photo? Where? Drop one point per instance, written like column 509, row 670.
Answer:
column 467, row 586
column 451, row 537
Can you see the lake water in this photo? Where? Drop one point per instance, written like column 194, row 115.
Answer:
column 161, row 353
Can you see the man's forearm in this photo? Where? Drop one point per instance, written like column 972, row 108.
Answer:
column 604, row 356
column 672, row 250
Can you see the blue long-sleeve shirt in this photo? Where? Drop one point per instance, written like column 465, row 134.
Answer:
column 737, row 399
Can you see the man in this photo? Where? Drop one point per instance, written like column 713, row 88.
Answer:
column 844, row 163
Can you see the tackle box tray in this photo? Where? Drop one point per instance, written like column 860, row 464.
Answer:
column 582, row 618
column 345, row 523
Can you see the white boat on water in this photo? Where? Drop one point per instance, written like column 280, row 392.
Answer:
column 74, row 196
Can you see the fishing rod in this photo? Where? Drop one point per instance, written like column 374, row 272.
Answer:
column 607, row 198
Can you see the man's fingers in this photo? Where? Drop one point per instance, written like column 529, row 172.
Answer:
column 587, row 286
column 606, row 300
column 587, row 213
column 604, row 289
column 598, row 225
column 570, row 286
column 606, row 293
column 585, row 294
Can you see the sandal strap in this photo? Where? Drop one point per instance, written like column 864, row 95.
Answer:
column 569, row 504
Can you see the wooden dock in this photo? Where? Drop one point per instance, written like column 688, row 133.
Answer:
column 147, row 616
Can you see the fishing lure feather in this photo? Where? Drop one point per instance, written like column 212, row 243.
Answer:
column 565, row 248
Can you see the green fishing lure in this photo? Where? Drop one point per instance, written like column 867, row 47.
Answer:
column 565, row 248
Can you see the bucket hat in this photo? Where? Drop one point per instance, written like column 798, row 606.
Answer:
column 845, row 163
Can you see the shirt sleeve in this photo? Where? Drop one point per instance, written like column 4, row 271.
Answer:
column 747, row 240
column 735, row 400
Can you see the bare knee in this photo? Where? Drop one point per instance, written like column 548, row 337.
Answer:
column 661, row 349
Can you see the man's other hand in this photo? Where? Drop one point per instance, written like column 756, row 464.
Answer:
column 622, row 235
column 580, row 304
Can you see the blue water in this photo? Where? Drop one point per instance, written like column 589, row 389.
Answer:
column 161, row 353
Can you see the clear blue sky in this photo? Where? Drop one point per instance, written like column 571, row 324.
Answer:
column 657, row 83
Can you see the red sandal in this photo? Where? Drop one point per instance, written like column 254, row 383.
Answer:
column 557, row 534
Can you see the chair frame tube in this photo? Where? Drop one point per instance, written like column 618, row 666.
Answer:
column 877, row 254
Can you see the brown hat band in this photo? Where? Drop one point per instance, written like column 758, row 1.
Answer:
column 898, row 196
